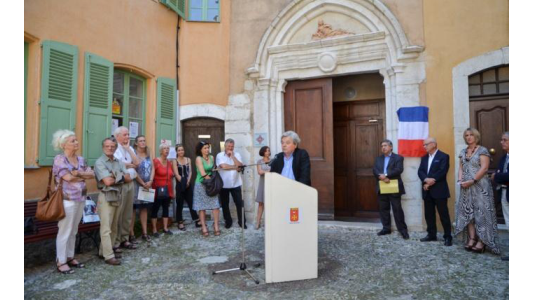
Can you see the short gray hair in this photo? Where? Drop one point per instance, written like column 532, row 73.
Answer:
column 293, row 135
column 60, row 138
column 229, row 141
column 119, row 130
column 506, row 133
column 162, row 146
column 387, row 141
column 109, row 139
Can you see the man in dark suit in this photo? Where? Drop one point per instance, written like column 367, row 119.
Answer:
column 293, row 162
column 435, row 192
column 389, row 166
column 501, row 178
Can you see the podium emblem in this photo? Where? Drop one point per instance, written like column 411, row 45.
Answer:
column 295, row 215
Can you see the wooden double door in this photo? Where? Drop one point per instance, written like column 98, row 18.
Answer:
column 342, row 141
column 358, row 131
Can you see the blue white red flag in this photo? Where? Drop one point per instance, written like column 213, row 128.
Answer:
column 413, row 130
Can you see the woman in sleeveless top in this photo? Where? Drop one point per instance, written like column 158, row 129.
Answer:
column 182, row 170
column 201, row 201
column 475, row 207
column 144, row 172
column 262, row 168
column 162, row 176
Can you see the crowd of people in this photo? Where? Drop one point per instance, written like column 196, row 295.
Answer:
column 123, row 169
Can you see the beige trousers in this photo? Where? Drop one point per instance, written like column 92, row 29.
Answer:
column 125, row 213
column 109, row 217
column 67, row 230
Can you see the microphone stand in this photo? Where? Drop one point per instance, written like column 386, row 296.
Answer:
column 242, row 266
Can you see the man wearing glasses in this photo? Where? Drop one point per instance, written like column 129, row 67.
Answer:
column 435, row 192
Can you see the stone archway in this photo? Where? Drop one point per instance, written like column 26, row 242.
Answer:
column 378, row 44
column 461, row 111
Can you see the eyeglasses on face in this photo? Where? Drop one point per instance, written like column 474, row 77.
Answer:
column 428, row 144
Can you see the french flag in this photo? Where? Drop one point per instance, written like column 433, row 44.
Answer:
column 413, row 130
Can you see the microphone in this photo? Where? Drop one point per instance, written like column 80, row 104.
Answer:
column 273, row 160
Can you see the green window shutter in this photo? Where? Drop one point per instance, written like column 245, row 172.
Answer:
column 97, row 105
column 166, row 110
column 176, row 5
column 59, row 90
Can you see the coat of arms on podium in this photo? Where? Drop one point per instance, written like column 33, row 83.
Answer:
column 295, row 215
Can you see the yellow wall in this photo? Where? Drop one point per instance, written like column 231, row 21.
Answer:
column 456, row 31
column 204, row 60
column 136, row 35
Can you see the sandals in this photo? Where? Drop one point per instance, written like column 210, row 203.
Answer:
column 69, row 271
column 128, row 245
column 217, row 232
column 205, row 233
column 181, row 226
column 77, row 265
column 133, row 239
column 146, row 238
column 197, row 224
column 168, row 232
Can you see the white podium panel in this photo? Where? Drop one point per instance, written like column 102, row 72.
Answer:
column 291, row 230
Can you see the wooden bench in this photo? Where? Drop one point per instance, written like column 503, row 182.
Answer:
column 48, row 230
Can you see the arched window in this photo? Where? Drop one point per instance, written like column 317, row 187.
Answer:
column 494, row 81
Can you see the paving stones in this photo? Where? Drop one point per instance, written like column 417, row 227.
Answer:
column 353, row 263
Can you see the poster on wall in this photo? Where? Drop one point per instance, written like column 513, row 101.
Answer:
column 114, row 125
column 134, row 129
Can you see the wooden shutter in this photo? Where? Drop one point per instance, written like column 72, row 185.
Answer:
column 176, row 5
column 97, row 109
column 59, row 88
column 166, row 110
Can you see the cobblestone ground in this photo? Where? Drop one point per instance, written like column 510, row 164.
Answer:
column 354, row 263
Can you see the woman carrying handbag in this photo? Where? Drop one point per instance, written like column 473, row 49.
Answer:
column 70, row 172
column 161, row 177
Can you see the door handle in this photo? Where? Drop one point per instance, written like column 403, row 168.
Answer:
column 372, row 121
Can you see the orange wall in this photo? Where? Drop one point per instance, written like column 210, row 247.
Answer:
column 138, row 35
column 455, row 32
column 204, row 60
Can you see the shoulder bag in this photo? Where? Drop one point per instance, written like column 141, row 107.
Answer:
column 214, row 184
column 50, row 208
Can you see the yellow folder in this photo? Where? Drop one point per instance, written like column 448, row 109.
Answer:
column 389, row 188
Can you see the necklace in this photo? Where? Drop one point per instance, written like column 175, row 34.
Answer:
column 468, row 156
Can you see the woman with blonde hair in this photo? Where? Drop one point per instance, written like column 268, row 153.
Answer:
column 475, row 207
column 161, row 177
column 143, row 180
column 73, row 171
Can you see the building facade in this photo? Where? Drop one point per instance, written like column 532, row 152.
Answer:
column 335, row 71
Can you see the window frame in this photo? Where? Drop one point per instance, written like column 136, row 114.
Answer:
column 126, row 101
column 204, row 8
column 497, row 81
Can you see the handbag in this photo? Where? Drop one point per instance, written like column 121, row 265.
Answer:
column 50, row 208
column 162, row 192
column 213, row 185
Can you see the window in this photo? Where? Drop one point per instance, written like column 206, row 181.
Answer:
column 128, row 102
column 204, row 10
column 494, row 81
column 59, row 90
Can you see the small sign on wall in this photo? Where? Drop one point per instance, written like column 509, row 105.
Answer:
column 260, row 139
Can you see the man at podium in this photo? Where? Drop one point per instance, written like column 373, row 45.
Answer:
column 293, row 162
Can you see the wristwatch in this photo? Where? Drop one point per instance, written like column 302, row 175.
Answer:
column 475, row 181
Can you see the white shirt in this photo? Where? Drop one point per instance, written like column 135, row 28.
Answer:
column 231, row 178
column 430, row 160
column 124, row 156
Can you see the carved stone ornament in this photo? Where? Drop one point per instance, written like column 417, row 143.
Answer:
column 327, row 62
column 326, row 31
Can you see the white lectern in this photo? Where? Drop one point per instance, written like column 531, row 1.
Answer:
column 291, row 230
